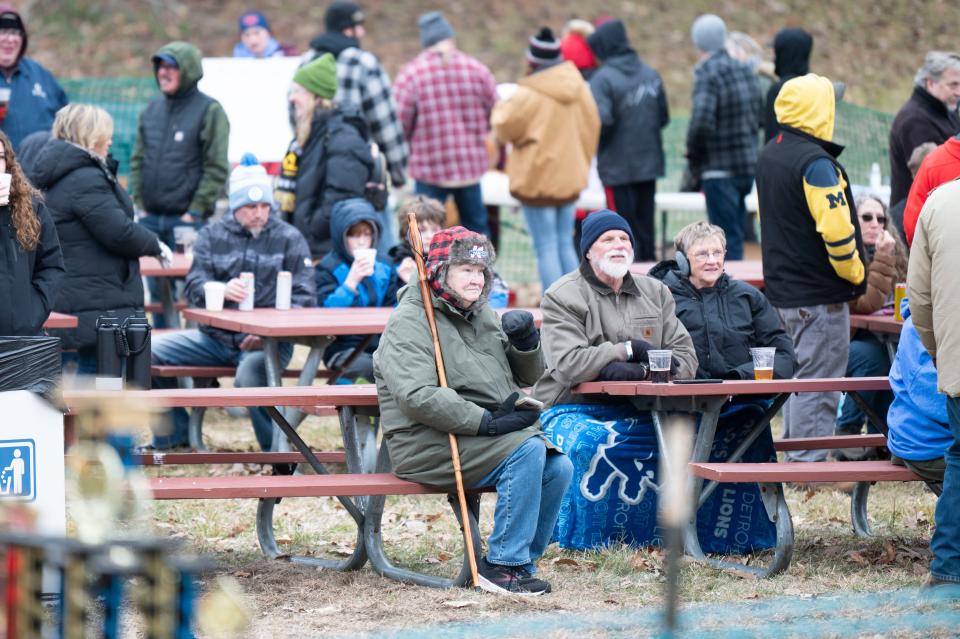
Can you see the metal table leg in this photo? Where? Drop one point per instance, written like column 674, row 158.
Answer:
column 271, row 353
column 169, row 305
column 265, row 508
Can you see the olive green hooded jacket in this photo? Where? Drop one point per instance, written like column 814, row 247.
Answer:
column 416, row 414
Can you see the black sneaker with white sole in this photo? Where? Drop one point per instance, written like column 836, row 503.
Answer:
column 509, row 580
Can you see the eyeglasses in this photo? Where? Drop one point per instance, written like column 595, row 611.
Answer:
column 703, row 256
column 9, row 33
column 868, row 217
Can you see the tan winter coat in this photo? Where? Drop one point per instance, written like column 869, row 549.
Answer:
column 585, row 322
column 934, row 285
column 553, row 125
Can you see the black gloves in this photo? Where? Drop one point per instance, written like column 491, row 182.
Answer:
column 518, row 325
column 639, row 350
column 508, row 418
column 733, row 374
column 623, row 372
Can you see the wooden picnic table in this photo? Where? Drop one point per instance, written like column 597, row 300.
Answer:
column 685, row 401
column 60, row 320
column 886, row 327
column 179, row 267
column 750, row 271
column 313, row 327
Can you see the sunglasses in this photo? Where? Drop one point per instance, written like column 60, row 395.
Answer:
column 868, row 217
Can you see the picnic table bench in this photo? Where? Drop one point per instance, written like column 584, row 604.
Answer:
column 708, row 401
column 362, row 490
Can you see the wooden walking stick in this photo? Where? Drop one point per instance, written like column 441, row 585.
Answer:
column 417, row 244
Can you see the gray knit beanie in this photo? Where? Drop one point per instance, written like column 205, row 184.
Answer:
column 433, row 28
column 709, row 33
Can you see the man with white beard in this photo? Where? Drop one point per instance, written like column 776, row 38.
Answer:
column 600, row 320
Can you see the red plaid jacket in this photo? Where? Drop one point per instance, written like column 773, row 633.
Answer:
column 445, row 114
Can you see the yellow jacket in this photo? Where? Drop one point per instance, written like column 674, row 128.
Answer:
column 553, row 125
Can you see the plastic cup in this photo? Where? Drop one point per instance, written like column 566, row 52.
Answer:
column 368, row 253
column 763, row 362
column 213, row 295
column 660, row 362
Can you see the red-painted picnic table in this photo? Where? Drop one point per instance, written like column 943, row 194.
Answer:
column 313, row 327
column 675, row 404
column 178, row 268
column 60, row 320
column 750, row 271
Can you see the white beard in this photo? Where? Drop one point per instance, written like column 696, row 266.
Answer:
column 616, row 269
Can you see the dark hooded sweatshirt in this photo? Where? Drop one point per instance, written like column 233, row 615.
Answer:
column 100, row 241
column 179, row 161
column 632, row 103
column 791, row 51
column 377, row 290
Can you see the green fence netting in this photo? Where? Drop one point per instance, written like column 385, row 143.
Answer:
column 863, row 131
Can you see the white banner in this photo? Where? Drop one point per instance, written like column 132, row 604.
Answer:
column 253, row 93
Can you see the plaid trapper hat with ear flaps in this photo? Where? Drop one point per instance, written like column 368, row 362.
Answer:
column 455, row 246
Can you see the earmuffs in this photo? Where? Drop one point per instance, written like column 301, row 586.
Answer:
column 683, row 264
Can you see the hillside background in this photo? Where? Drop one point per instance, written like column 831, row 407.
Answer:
column 874, row 47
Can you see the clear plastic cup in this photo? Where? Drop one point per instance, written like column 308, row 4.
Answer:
column 5, row 187
column 213, row 295
column 763, row 362
column 660, row 362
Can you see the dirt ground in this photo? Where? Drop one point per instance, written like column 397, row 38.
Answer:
column 285, row 598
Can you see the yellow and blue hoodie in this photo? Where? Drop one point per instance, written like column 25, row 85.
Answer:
column 812, row 247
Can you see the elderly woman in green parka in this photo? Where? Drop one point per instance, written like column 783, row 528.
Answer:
column 501, row 444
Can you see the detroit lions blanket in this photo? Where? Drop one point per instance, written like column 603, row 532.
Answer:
column 613, row 495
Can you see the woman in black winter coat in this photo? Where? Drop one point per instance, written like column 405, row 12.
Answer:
column 95, row 221
column 29, row 251
column 725, row 317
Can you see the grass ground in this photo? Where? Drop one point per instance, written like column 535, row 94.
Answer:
column 287, row 598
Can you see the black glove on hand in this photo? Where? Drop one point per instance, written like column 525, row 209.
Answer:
column 733, row 374
column 518, row 325
column 507, row 418
column 674, row 366
column 640, row 348
column 623, row 372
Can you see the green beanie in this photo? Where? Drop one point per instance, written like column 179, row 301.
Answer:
column 319, row 77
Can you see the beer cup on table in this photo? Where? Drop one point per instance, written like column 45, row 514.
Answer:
column 899, row 292
column 213, row 295
column 763, row 362
column 660, row 361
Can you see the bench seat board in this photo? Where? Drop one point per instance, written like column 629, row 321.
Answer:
column 803, row 472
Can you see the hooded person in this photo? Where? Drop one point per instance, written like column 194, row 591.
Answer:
column 547, row 171
column 487, row 361
column 34, row 95
column 791, row 58
column 328, row 159
column 362, row 80
column 632, row 103
column 813, row 252
column 350, row 276
column 250, row 238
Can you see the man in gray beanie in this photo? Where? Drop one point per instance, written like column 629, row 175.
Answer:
column 434, row 28
column 722, row 136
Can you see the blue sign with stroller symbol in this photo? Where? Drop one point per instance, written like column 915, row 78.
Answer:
column 18, row 470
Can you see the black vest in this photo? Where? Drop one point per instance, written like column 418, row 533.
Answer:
column 172, row 152
column 796, row 267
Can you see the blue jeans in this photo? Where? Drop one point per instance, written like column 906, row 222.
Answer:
column 194, row 348
column 162, row 226
column 946, row 538
column 551, row 228
column 469, row 201
column 726, row 208
column 867, row 358
column 530, row 486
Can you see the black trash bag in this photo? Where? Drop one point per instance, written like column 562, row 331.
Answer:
column 31, row 364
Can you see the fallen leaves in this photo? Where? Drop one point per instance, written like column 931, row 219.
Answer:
column 459, row 603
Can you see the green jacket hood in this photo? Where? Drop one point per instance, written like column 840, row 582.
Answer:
column 188, row 58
